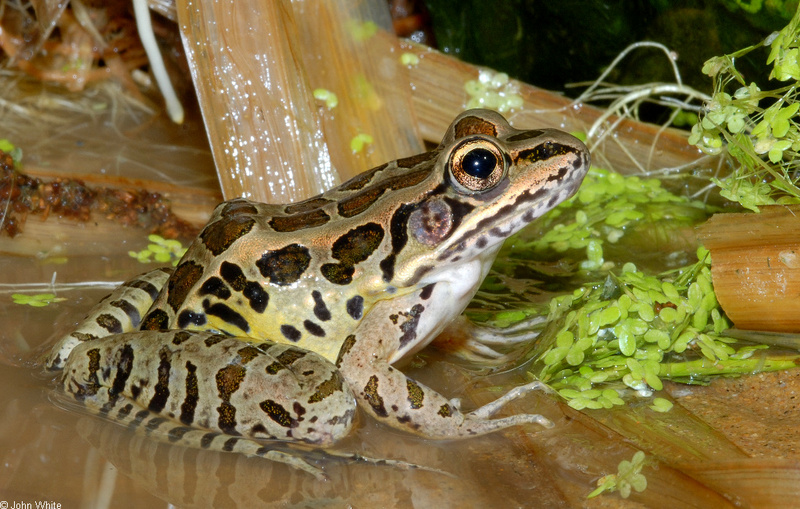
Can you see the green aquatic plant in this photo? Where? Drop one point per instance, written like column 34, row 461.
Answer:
column 758, row 128
column 409, row 59
column 631, row 331
column 359, row 142
column 326, row 96
column 161, row 250
column 361, row 31
column 607, row 206
column 12, row 150
column 494, row 91
column 38, row 301
column 629, row 476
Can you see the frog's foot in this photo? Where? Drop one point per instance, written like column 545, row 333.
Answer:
column 483, row 344
column 452, row 423
column 479, row 420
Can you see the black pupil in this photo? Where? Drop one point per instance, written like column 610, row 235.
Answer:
column 479, row 163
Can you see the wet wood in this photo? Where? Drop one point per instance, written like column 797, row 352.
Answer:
column 257, row 105
column 756, row 267
column 601, row 439
column 192, row 203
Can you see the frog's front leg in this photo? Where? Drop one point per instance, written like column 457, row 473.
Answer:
column 399, row 401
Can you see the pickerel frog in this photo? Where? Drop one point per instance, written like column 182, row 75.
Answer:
column 281, row 320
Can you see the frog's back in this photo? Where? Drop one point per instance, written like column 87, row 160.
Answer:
column 303, row 273
column 307, row 273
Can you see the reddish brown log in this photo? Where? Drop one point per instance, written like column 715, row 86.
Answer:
column 756, row 267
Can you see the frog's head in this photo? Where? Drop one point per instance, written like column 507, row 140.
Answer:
column 493, row 180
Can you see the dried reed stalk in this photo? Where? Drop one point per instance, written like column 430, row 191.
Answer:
column 365, row 73
column 255, row 64
column 756, row 267
column 255, row 98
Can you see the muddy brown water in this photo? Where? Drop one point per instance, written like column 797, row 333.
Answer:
column 57, row 452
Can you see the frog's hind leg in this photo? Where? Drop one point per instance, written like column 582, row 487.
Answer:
column 121, row 311
column 127, row 412
column 212, row 391
column 130, row 414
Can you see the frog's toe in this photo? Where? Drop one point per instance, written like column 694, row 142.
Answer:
column 484, row 344
column 490, row 409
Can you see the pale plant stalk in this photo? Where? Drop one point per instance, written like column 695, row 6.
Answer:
column 255, row 65
column 349, row 49
column 145, row 27
column 257, row 105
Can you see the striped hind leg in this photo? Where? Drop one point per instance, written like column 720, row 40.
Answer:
column 119, row 312
column 208, row 391
column 127, row 412
column 211, row 391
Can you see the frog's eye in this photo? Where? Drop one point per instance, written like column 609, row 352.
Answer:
column 477, row 164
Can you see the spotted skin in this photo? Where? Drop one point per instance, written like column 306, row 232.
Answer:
column 350, row 249
column 285, row 265
column 200, row 392
column 281, row 320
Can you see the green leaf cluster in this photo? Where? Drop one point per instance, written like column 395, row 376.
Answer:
column 631, row 331
column 12, row 150
column 38, row 301
column 161, row 250
column 606, row 207
column 629, row 476
column 760, row 129
column 494, row 91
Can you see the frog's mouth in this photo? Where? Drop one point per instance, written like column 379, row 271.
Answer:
column 482, row 240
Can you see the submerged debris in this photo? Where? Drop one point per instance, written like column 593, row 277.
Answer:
column 22, row 195
column 74, row 43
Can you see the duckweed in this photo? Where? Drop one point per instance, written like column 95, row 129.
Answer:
column 359, row 142
column 38, row 301
column 494, row 91
column 161, row 250
column 661, row 405
column 361, row 31
column 330, row 99
column 12, row 150
column 594, row 348
column 628, row 477
column 409, row 59
column 607, row 206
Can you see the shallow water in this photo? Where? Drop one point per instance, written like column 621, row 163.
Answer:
column 52, row 451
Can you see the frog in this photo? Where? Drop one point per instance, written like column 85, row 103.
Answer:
column 283, row 321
